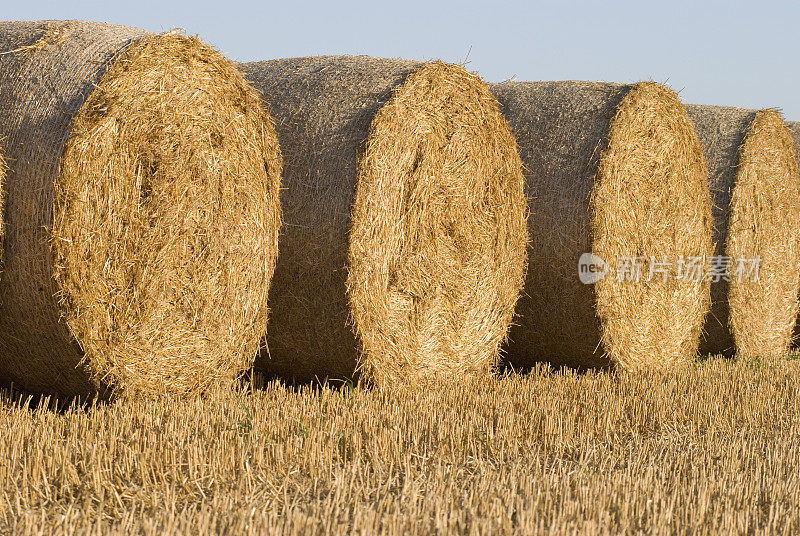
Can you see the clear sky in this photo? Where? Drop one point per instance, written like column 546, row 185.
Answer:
column 713, row 52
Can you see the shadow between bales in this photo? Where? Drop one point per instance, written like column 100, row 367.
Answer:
column 257, row 380
column 506, row 367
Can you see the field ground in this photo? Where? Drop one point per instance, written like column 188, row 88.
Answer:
column 710, row 448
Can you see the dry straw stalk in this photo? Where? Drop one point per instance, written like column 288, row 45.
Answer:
column 142, row 205
column 755, row 188
column 405, row 214
column 616, row 170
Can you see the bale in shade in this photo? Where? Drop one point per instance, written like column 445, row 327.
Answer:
column 614, row 170
column 142, row 211
column 755, row 188
column 404, row 213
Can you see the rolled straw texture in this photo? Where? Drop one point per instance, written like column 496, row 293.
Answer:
column 142, row 211
column 755, row 188
column 614, row 170
column 403, row 249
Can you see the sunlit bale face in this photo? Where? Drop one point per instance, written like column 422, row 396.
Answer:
column 755, row 191
column 651, row 200
column 145, row 231
column 437, row 243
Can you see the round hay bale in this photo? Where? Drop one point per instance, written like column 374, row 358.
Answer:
column 142, row 211
column 404, row 212
column 755, row 188
column 614, row 170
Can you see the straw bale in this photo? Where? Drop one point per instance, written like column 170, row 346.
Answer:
column 142, row 211
column 755, row 188
column 405, row 215
column 614, row 170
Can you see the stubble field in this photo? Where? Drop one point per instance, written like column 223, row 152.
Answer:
column 713, row 447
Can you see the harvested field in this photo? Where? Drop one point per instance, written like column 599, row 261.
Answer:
column 142, row 211
column 707, row 448
column 755, row 188
column 615, row 170
column 403, row 249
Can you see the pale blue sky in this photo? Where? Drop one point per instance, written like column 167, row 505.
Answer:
column 713, row 52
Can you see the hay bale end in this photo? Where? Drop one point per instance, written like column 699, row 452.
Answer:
column 142, row 203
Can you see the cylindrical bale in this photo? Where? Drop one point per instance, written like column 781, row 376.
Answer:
column 142, row 211
column 755, row 189
column 617, row 171
column 403, row 249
